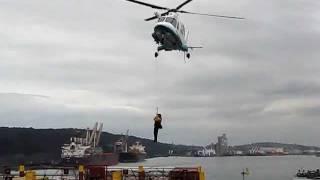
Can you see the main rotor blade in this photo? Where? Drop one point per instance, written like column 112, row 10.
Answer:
column 214, row 15
column 184, row 3
column 151, row 18
column 149, row 5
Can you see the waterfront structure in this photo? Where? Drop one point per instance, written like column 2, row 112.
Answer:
column 309, row 152
column 222, row 145
column 272, row 150
column 237, row 153
column 206, row 152
column 269, row 151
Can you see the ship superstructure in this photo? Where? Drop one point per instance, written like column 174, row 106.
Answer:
column 83, row 147
column 134, row 153
column 87, row 150
column 137, row 148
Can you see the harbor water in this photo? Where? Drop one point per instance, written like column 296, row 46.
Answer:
column 230, row 168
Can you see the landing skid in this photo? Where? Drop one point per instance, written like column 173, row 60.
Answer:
column 188, row 55
column 160, row 48
column 156, row 54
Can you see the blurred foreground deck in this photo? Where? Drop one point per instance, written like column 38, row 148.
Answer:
column 102, row 173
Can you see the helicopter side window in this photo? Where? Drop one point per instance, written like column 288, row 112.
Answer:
column 174, row 22
column 182, row 29
column 161, row 19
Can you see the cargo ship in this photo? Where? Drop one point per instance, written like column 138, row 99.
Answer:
column 87, row 151
column 135, row 153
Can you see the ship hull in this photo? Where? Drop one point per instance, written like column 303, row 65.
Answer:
column 104, row 159
column 130, row 157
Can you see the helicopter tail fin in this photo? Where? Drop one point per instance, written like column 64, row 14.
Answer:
column 191, row 47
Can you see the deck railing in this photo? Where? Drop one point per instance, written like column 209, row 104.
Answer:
column 102, row 173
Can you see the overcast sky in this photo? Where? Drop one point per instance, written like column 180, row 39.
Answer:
column 71, row 63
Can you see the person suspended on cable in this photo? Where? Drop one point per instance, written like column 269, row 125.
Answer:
column 157, row 125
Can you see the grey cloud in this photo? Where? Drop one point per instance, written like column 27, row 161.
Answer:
column 76, row 62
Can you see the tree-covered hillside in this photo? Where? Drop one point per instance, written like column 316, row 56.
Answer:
column 28, row 144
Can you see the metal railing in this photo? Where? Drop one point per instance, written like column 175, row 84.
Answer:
column 103, row 173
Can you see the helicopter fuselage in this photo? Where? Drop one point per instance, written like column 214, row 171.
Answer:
column 169, row 33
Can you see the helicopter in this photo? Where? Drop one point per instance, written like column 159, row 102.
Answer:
column 169, row 31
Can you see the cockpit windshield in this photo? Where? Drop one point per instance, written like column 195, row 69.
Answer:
column 161, row 19
column 171, row 20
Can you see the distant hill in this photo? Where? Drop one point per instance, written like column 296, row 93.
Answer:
column 288, row 147
column 28, row 144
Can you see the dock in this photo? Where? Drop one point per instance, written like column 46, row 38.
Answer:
column 102, row 173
